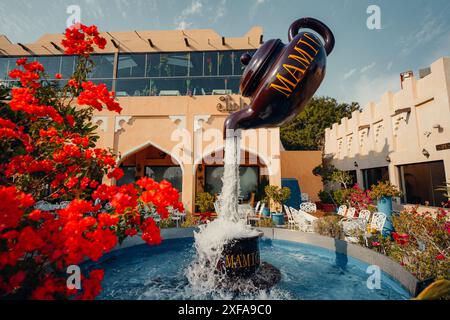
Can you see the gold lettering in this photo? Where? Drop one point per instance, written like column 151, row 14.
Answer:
column 306, row 56
column 238, row 259
column 229, row 261
column 309, row 45
column 284, row 89
column 289, row 69
column 312, row 39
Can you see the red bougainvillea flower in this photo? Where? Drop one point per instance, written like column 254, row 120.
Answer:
column 440, row 257
column 12, row 205
column 375, row 244
column 79, row 40
column 98, row 95
column 401, row 239
column 58, row 76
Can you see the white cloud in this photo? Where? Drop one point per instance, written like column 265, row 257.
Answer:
column 182, row 20
column 370, row 88
column 254, row 8
column 368, row 67
column 430, row 28
column 349, row 73
column 219, row 11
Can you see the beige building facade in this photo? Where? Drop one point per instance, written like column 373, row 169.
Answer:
column 176, row 89
column 404, row 138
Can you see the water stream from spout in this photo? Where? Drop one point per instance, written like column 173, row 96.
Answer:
column 230, row 224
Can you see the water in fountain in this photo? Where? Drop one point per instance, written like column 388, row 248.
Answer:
column 211, row 238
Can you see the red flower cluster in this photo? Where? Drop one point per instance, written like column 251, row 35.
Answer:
column 80, row 39
column 401, row 239
column 98, row 95
column 161, row 195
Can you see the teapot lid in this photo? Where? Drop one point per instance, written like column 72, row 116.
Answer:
column 256, row 66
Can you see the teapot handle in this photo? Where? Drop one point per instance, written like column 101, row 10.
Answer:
column 317, row 26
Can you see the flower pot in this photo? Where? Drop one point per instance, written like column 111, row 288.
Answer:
column 327, row 207
column 266, row 212
column 278, row 218
column 384, row 205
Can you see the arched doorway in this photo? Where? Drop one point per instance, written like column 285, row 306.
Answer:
column 254, row 175
column 152, row 162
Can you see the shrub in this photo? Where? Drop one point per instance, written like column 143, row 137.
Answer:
column 422, row 243
column 278, row 196
column 48, row 153
column 329, row 226
column 384, row 189
column 204, row 201
column 325, row 197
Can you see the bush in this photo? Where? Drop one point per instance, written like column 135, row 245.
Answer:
column 329, row 226
column 384, row 189
column 204, row 201
column 278, row 196
column 325, row 197
column 422, row 243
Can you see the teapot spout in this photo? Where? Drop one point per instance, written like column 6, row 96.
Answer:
column 236, row 121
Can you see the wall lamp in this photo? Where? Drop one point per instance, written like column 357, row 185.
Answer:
column 388, row 159
column 426, row 153
column 355, row 164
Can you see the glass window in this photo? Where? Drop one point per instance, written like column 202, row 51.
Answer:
column 52, row 65
column 103, row 66
column 174, row 64
column 238, row 66
column 4, row 62
column 374, row 175
column 196, row 65
column 170, row 87
column 226, row 63
column 172, row 174
column 131, row 66
column 135, row 87
column 249, row 180
column 208, row 86
column 420, row 181
column 68, row 64
column 129, row 175
column 210, row 67
column 153, row 65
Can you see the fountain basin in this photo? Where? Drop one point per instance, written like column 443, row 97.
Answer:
column 308, row 264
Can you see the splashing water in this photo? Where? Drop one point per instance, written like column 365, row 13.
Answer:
column 211, row 238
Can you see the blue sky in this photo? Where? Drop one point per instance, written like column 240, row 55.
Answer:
column 365, row 63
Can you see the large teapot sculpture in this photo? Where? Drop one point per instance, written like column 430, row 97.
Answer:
column 280, row 79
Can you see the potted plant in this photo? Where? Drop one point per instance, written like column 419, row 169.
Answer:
column 277, row 196
column 205, row 204
column 327, row 202
column 382, row 193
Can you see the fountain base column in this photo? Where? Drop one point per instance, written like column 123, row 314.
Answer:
column 243, row 268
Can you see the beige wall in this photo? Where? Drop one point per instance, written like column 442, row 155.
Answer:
column 299, row 165
column 400, row 126
column 187, row 128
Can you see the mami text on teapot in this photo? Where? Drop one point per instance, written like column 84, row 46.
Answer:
column 301, row 60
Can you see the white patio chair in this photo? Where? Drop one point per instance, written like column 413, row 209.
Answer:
column 365, row 214
column 303, row 219
column 352, row 228
column 291, row 221
column 255, row 210
column 342, row 210
column 261, row 209
column 351, row 212
column 377, row 222
column 308, row 207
